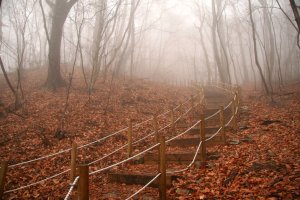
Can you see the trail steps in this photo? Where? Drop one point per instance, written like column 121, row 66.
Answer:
column 181, row 151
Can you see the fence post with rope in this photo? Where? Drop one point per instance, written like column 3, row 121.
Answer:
column 129, row 139
column 193, row 105
column 202, row 137
column 222, row 124
column 2, row 177
column 233, row 109
column 162, row 169
column 172, row 122
column 83, row 182
column 73, row 162
column 155, row 125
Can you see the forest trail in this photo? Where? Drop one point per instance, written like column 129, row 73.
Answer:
column 250, row 163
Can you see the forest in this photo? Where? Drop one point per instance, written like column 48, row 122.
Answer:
column 149, row 99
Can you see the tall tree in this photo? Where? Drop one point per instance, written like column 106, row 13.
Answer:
column 255, row 50
column 217, row 33
column 60, row 10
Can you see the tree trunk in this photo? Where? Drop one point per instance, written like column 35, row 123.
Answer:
column 222, row 72
column 60, row 11
column 255, row 50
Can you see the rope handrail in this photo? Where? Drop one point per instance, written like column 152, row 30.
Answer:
column 212, row 115
column 132, row 157
column 141, row 139
column 124, row 161
column 90, row 143
column 36, row 183
column 191, row 163
column 214, row 135
column 125, row 145
column 228, row 105
column 40, row 158
column 144, row 187
column 184, row 132
column 71, row 188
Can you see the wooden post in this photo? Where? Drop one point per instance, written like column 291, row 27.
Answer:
column 83, row 182
column 129, row 139
column 155, row 125
column 233, row 108
column 162, row 169
column 200, row 100
column 3, row 171
column 222, row 123
column 237, row 101
column 73, row 162
column 181, row 109
column 192, row 106
column 173, row 122
column 203, row 145
column 192, row 101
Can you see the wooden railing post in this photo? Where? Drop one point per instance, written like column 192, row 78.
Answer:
column 181, row 109
column 129, row 139
column 73, row 162
column 3, row 171
column 192, row 106
column 222, row 124
column 237, row 101
column 173, row 122
column 162, row 169
column 155, row 125
column 233, row 109
column 202, row 138
column 83, row 182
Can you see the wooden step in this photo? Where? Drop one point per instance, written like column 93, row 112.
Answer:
column 215, row 94
column 139, row 179
column 176, row 157
column 208, row 130
column 195, row 140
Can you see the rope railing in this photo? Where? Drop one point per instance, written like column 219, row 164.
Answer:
column 141, row 139
column 173, row 138
column 135, row 156
column 124, row 161
column 184, row 132
column 93, row 162
column 213, row 115
column 231, row 103
column 36, row 183
column 191, row 163
column 122, row 147
column 40, row 158
column 73, row 184
column 93, row 142
column 144, row 187
column 214, row 135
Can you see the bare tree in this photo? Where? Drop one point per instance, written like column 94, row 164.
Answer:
column 201, row 16
column 217, row 31
column 255, row 49
column 60, row 10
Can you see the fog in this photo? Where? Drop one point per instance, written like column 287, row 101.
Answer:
column 161, row 40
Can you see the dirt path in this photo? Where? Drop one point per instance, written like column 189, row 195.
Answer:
column 263, row 159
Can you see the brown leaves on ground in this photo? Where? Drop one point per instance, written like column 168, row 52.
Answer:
column 33, row 131
column 264, row 163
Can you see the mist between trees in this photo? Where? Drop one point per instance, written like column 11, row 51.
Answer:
column 249, row 41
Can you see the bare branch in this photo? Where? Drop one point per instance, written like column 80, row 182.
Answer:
column 44, row 19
